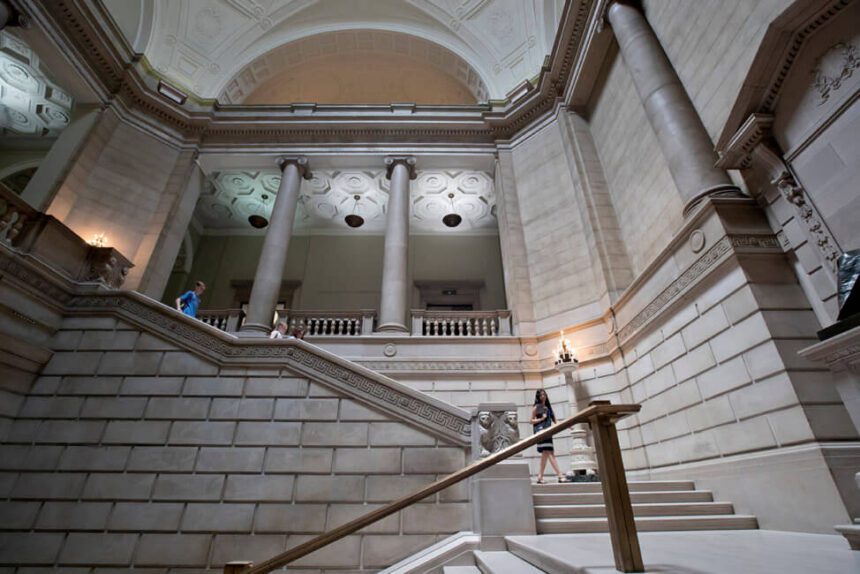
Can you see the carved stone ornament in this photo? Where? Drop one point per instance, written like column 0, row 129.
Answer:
column 836, row 65
column 796, row 195
column 498, row 429
column 107, row 265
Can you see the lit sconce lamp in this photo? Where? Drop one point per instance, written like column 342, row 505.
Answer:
column 98, row 240
column 564, row 358
column 172, row 93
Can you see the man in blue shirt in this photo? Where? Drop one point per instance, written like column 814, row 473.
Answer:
column 190, row 301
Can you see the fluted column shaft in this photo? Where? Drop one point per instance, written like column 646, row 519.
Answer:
column 393, row 304
column 270, row 268
column 682, row 135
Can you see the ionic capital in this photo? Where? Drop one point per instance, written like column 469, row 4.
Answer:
column 300, row 161
column 407, row 160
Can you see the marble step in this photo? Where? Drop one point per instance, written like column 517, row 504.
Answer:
column 503, row 563
column 635, row 497
column 646, row 486
column 649, row 523
column 652, row 509
column 460, row 570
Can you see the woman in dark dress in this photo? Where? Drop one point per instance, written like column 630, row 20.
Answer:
column 542, row 417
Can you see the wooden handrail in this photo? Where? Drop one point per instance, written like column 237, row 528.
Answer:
column 600, row 414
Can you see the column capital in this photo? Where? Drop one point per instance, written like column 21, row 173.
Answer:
column 407, row 160
column 300, row 161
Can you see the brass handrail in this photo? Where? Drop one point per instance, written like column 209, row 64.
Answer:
column 600, row 414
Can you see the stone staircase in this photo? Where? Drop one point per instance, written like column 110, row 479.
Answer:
column 657, row 505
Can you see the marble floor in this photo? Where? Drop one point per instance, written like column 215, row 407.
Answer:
column 703, row 552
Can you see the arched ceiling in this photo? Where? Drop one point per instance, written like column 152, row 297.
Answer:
column 202, row 45
column 357, row 67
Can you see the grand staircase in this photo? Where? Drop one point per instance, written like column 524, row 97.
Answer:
column 578, row 508
column 657, row 505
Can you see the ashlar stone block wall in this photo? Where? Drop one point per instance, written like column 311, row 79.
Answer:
column 132, row 453
column 724, row 394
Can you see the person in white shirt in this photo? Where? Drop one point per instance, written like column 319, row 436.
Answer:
column 279, row 331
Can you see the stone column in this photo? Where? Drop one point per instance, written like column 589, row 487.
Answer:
column 270, row 268
column 683, row 139
column 393, row 303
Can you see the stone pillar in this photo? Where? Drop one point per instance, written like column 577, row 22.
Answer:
column 270, row 268
column 683, row 139
column 393, row 303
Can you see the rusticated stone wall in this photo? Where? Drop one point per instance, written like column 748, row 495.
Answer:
column 130, row 452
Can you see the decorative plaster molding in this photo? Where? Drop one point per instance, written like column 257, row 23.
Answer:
column 764, row 82
column 835, row 65
column 111, row 71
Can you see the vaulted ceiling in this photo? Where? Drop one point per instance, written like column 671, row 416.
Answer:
column 230, row 49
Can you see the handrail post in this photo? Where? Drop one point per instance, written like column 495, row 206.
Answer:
column 619, row 510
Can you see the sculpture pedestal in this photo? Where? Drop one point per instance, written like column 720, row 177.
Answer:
column 502, row 503
column 583, row 464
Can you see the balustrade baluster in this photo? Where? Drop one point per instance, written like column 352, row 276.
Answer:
column 493, row 327
column 461, row 328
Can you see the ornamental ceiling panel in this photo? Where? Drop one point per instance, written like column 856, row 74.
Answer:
column 203, row 45
column 230, row 198
column 30, row 103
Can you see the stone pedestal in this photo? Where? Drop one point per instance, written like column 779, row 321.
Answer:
column 841, row 353
column 583, row 464
column 502, row 503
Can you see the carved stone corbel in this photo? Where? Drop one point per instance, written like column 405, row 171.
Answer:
column 497, row 427
column 754, row 146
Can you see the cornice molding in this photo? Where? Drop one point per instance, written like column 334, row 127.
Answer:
column 776, row 55
column 90, row 40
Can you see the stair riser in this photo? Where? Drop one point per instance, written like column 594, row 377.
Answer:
column 681, row 525
column 583, row 487
column 661, row 510
column 635, row 497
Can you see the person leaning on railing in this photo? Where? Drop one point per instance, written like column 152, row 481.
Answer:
column 543, row 417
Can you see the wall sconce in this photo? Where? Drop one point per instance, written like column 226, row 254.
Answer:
column 98, row 240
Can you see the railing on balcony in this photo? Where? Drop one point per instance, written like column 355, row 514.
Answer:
column 331, row 323
column 601, row 415
column 360, row 323
column 228, row 320
column 461, row 323
column 15, row 215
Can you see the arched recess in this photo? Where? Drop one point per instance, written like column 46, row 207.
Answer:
column 357, row 67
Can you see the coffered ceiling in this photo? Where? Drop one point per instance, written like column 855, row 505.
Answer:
column 204, row 45
column 31, row 105
column 230, row 197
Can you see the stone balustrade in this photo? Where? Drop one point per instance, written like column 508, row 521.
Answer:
column 461, row 323
column 332, row 323
column 360, row 323
column 228, row 320
column 16, row 215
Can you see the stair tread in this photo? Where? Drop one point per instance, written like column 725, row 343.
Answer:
column 503, row 562
column 636, row 504
column 656, row 518
column 461, row 570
